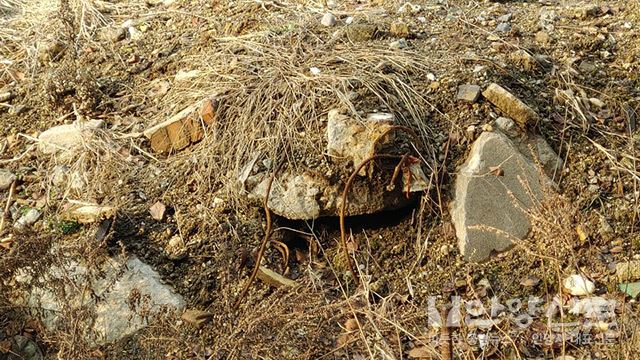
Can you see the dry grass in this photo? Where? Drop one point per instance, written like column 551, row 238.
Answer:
column 272, row 105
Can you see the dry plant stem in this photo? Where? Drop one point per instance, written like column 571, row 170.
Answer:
column 5, row 214
column 343, row 207
column 263, row 245
column 445, row 337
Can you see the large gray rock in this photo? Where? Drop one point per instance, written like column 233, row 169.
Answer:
column 117, row 299
column 494, row 189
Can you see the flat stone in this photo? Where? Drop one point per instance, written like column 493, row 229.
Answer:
column 6, row 179
column 503, row 27
column 468, row 93
column 119, row 298
column 510, row 104
column 88, row 214
column 489, row 207
column 68, row 139
column 274, row 279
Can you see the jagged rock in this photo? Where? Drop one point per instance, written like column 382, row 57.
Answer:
column 308, row 195
column 468, row 93
column 494, row 188
column 510, row 104
column 119, row 297
column 303, row 194
column 68, row 139
column 357, row 140
column 6, row 179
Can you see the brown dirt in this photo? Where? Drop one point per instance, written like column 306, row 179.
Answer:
column 407, row 255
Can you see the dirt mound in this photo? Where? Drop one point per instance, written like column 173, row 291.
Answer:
column 367, row 285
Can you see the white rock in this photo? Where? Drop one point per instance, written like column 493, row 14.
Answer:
column 399, row 44
column 431, row 77
column 578, row 285
column 183, row 75
column 328, row 19
column 315, row 71
column 6, row 179
column 28, row 219
column 135, row 34
column 68, row 139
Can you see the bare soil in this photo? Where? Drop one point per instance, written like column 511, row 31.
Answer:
column 407, row 256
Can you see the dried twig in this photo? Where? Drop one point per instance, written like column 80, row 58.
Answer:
column 343, row 205
column 263, row 245
column 5, row 214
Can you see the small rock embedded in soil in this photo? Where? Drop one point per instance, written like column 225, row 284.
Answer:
column 361, row 32
column 6, row 179
column 157, row 211
column 510, row 104
column 468, row 93
column 176, row 249
column 578, row 285
column 524, row 59
column 505, row 18
column 399, row 29
column 328, row 20
column 88, row 214
column 196, row 317
column 29, row 218
column 628, row 270
column 274, row 279
column 68, row 139
column 399, row 44
column 503, row 27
